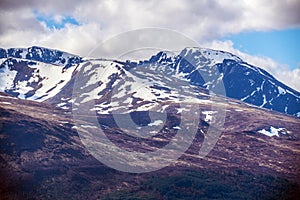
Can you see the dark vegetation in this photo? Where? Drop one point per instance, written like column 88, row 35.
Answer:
column 211, row 185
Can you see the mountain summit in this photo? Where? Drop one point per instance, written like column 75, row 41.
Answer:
column 42, row 74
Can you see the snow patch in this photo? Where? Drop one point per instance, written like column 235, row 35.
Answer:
column 281, row 90
column 7, row 78
column 239, row 110
column 264, row 101
column 209, row 115
column 179, row 110
column 88, row 126
column 156, row 123
column 272, row 131
column 176, row 127
column 4, row 102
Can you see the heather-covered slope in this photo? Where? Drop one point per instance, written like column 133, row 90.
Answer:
column 43, row 157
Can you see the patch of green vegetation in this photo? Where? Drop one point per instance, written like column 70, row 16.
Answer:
column 211, row 185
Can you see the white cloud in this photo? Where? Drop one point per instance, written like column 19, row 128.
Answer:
column 74, row 39
column 203, row 20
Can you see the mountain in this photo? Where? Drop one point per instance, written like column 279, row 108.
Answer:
column 241, row 80
column 56, row 107
column 43, row 157
column 48, row 75
column 35, row 73
column 40, row 54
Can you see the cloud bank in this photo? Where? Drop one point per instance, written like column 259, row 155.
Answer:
column 206, row 21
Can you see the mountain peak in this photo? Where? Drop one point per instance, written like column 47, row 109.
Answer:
column 39, row 73
column 41, row 54
column 216, row 55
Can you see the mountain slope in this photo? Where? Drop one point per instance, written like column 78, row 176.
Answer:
column 241, row 80
column 256, row 155
column 42, row 74
column 35, row 73
column 41, row 54
column 42, row 157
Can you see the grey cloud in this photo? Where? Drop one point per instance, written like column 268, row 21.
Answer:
column 15, row 4
column 11, row 22
column 288, row 12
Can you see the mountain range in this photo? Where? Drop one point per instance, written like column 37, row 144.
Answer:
column 48, row 97
column 42, row 74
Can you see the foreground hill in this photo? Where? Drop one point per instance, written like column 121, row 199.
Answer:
column 42, row 157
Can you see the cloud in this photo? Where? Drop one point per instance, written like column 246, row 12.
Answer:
column 205, row 21
column 74, row 39
column 201, row 20
column 54, row 21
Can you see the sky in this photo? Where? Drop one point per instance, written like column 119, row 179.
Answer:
column 264, row 33
column 281, row 45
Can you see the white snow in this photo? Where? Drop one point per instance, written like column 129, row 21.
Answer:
column 288, row 91
column 4, row 102
column 7, row 78
column 61, row 104
column 9, row 97
column 64, row 122
column 64, row 107
column 239, row 110
column 176, row 127
column 251, row 82
column 272, row 131
column 156, row 123
column 249, row 66
column 221, row 77
column 105, row 69
column 281, row 90
column 64, row 99
column 264, row 101
column 262, row 85
column 142, row 85
column 209, row 115
column 51, row 76
column 23, row 53
column 88, row 126
column 252, row 93
column 179, row 110
column 213, row 55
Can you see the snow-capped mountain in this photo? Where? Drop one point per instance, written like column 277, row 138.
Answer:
column 241, row 80
column 35, row 73
column 41, row 54
column 42, row 74
column 44, row 154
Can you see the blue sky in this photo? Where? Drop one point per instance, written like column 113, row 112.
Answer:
column 53, row 23
column 282, row 46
